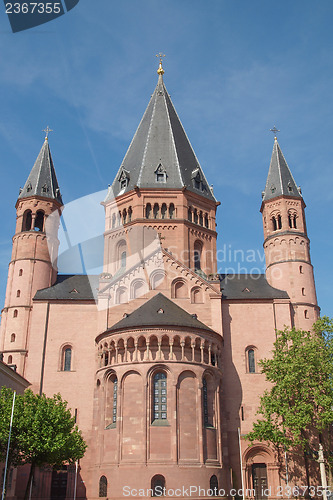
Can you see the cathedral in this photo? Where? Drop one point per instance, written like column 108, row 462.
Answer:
column 158, row 355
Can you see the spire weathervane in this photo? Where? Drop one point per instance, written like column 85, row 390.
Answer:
column 47, row 130
column 160, row 70
column 275, row 131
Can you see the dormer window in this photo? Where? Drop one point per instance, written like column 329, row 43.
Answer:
column 197, row 179
column 29, row 187
column 160, row 174
column 45, row 189
column 124, row 179
column 290, row 188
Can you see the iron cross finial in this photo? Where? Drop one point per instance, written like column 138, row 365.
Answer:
column 160, row 56
column 275, row 131
column 47, row 130
column 160, row 70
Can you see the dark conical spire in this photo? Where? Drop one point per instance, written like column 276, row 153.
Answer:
column 42, row 180
column 280, row 180
column 160, row 154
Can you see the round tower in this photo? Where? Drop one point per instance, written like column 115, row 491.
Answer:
column 33, row 264
column 286, row 242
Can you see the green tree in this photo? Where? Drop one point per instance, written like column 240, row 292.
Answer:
column 299, row 404
column 43, row 432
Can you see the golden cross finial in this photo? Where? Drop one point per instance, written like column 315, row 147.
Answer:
column 160, row 70
column 47, row 130
column 275, row 131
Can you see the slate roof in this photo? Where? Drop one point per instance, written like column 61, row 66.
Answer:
column 248, row 287
column 160, row 142
column 148, row 315
column 280, row 180
column 42, row 180
column 71, row 287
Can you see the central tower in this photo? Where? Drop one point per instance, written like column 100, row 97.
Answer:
column 158, row 377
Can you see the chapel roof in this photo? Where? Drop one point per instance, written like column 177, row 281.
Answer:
column 280, row 180
column 42, row 180
column 71, row 287
column 161, row 147
column 160, row 310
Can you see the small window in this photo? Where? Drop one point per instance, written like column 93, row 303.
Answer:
column 10, row 360
column 303, row 292
column 206, row 221
column 20, row 272
column 195, row 216
column 67, row 359
column 279, row 221
column 130, row 214
column 160, row 177
column 274, row 224
column 156, row 210
column 12, row 337
column 163, row 211
column 301, row 269
column 158, row 485
column 201, row 219
column 306, row 315
column 214, row 486
column 29, row 187
column 18, row 293
column 103, row 487
column 15, row 313
column 251, row 361
column 189, row 214
column 171, row 211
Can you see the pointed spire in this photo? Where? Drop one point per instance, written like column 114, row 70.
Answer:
column 42, row 180
column 280, row 180
column 160, row 154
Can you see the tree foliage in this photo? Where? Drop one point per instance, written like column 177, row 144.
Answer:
column 300, row 400
column 43, row 432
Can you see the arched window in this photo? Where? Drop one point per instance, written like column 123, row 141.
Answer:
column 18, row 293
column 306, row 316
column 123, row 260
column 279, row 221
column 156, row 210
column 12, row 337
column 206, row 221
column 103, row 487
column 301, row 269
column 10, row 360
column 201, row 219
column 124, row 216
column 130, row 211
column 179, row 289
column 27, row 220
column 189, row 214
column 251, row 361
column 160, row 397
column 195, row 216
column 157, row 485
column 121, row 295
column 15, row 313
column 214, row 485
column 274, row 224
column 171, row 211
column 163, row 211
column 39, row 221
column 208, row 401
column 111, row 402
column 303, row 291
column 20, row 272
column 67, row 359
column 197, row 255
column 148, row 211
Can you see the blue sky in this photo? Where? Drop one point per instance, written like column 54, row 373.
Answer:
column 234, row 69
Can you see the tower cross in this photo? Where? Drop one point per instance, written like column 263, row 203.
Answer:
column 274, row 130
column 160, row 56
column 47, row 130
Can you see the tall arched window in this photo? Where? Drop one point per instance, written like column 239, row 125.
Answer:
column 189, row 214
column 197, row 255
column 39, row 221
column 157, row 485
column 27, row 220
column 156, row 210
column 163, row 211
column 251, row 361
column 160, row 397
column 18, row 293
column 103, row 487
column 148, row 211
column 208, row 401
column 171, row 211
column 15, row 313
column 123, row 260
column 12, row 337
column 67, row 359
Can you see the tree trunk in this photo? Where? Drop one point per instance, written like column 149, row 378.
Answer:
column 29, row 485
